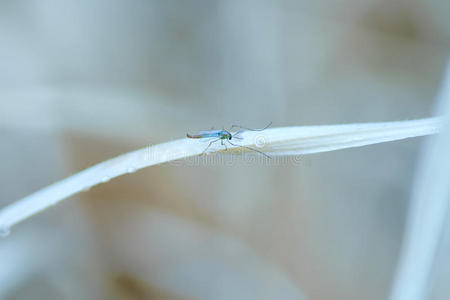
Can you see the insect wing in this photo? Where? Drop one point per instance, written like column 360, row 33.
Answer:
column 210, row 133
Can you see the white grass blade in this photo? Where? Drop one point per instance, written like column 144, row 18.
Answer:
column 274, row 141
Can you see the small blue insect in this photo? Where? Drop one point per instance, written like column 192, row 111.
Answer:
column 226, row 135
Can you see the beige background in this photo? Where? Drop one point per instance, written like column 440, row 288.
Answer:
column 83, row 81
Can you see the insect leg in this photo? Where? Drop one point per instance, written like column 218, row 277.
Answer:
column 204, row 151
column 250, row 148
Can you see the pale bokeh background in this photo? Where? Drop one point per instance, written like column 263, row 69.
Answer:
column 83, row 81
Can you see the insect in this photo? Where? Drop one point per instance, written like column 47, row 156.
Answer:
column 226, row 135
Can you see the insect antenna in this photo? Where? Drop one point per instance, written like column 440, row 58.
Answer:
column 261, row 129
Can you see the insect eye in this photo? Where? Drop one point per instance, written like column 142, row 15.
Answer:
column 230, row 137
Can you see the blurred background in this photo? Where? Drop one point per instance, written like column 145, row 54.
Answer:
column 83, row 81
